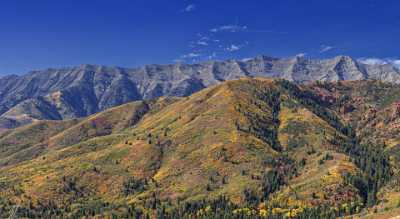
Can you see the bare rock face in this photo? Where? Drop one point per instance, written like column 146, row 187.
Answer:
column 86, row 89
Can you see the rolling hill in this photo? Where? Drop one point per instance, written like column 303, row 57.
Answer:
column 245, row 148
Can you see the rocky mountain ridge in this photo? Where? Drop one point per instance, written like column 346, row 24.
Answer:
column 75, row 92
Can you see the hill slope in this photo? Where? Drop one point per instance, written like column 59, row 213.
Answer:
column 244, row 147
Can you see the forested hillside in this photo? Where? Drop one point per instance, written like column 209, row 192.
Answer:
column 246, row 148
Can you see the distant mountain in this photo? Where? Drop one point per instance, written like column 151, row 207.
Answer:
column 75, row 92
column 247, row 148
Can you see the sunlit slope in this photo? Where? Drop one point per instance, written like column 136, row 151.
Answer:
column 27, row 142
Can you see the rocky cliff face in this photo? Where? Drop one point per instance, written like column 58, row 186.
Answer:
column 80, row 91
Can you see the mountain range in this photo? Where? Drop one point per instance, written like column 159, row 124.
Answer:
column 75, row 92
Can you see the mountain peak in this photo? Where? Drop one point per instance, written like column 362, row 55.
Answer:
column 345, row 58
column 266, row 58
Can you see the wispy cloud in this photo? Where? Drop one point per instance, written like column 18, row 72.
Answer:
column 205, row 38
column 229, row 28
column 234, row 28
column 189, row 8
column 325, row 48
column 236, row 47
column 233, row 48
column 191, row 55
column 202, row 43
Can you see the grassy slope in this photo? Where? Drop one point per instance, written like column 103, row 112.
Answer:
column 27, row 141
column 51, row 160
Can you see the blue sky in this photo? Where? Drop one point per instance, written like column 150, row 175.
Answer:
column 48, row 33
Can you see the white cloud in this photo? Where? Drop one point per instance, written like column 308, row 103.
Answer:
column 202, row 43
column 229, row 28
column 233, row 48
column 189, row 8
column 191, row 55
column 233, row 28
column 325, row 48
column 246, row 59
column 205, row 38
